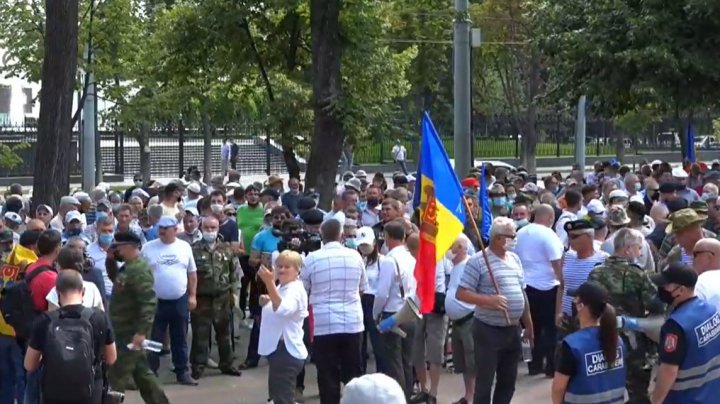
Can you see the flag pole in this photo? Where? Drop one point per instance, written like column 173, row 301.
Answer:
column 484, row 254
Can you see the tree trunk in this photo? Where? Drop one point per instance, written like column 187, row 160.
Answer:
column 328, row 136
column 51, row 178
column 144, row 143
column 207, row 140
column 619, row 145
column 530, row 135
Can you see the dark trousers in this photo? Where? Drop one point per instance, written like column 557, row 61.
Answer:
column 542, row 311
column 338, row 360
column 252, row 351
column 284, row 369
column 372, row 335
column 173, row 314
column 300, row 380
column 245, row 281
column 398, row 356
column 497, row 353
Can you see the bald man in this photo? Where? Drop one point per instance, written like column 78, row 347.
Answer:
column 36, row 224
column 706, row 263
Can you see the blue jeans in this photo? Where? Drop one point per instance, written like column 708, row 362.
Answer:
column 32, row 387
column 173, row 314
column 12, row 373
column 372, row 334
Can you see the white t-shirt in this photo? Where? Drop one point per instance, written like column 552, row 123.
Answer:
column 565, row 217
column 454, row 308
column 537, row 245
column 398, row 152
column 708, row 287
column 91, row 297
column 170, row 263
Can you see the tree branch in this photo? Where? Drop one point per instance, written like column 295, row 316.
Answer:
column 261, row 65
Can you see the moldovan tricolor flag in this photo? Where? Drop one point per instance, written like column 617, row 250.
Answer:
column 442, row 211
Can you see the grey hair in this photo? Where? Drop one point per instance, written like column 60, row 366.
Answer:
column 499, row 224
column 627, row 237
column 135, row 198
column 75, row 239
column 463, row 240
column 104, row 221
column 155, row 211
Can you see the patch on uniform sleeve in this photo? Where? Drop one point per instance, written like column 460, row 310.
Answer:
column 670, row 343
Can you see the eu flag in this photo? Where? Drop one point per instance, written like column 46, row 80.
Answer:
column 442, row 211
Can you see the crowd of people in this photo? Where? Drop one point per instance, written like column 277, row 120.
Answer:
column 126, row 271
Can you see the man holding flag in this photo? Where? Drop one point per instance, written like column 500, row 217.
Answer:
column 493, row 281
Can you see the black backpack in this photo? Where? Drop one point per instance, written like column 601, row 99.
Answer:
column 68, row 358
column 16, row 304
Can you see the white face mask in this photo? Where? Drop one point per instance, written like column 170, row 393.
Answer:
column 510, row 244
column 210, row 237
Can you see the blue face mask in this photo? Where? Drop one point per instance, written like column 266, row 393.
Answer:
column 100, row 216
column 105, row 239
column 499, row 201
column 519, row 224
column 351, row 243
column 361, row 205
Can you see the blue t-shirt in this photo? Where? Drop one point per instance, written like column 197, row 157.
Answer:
column 152, row 233
column 265, row 241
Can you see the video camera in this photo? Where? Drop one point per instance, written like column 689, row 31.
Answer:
column 295, row 237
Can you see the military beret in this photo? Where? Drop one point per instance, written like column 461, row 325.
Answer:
column 306, row 203
column 581, row 224
column 312, row 217
column 127, row 237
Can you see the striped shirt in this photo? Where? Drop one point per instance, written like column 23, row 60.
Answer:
column 575, row 272
column 686, row 258
column 334, row 277
column 509, row 276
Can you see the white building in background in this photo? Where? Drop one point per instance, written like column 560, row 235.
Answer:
column 20, row 101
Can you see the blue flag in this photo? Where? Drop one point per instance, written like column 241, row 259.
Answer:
column 484, row 200
column 690, row 147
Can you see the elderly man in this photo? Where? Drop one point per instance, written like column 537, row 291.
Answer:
column 651, row 194
column 67, row 203
column 191, row 221
column 334, row 277
column 706, row 263
column 175, row 277
column 618, row 219
column 103, row 208
column 97, row 251
column 461, row 314
column 521, row 215
column 686, row 225
column 497, row 314
column 540, row 252
column 632, row 184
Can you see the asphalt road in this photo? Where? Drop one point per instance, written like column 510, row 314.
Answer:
column 251, row 387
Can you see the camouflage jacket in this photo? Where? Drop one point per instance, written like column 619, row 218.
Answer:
column 670, row 241
column 133, row 301
column 630, row 289
column 216, row 268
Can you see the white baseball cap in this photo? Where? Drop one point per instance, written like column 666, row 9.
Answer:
column 375, row 387
column 679, row 173
column 73, row 215
column 365, row 235
column 596, row 207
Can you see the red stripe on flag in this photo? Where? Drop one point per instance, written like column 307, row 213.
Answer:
column 425, row 274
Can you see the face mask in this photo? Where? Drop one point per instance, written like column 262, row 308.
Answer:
column 511, row 196
column 706, row 196
column 510, row 244
column 373, row 202
column 138, row 183
column 105, row 239
column 450, row 255
column 499, row 201
column 638, row 186
column 210, row 236
column 665, row 296
column 351, row 243
column 216, row 208
column 361, row 205
column 521, row 223
column 73, row 232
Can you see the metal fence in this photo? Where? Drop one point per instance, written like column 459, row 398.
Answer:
column 169, row 155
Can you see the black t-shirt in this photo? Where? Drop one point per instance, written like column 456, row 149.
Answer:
column 102, row 332
column 565, row 361
column 229, row 232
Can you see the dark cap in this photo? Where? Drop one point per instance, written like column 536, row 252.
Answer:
column 701, row 207
column 312, row 217
column 667, row 188
column 581, row 224
column 270, row 192
column 400, row 180
column 6, row 236
column 590, row 293
column 676, row 204
column 127, row 237
column 597, row 221
column 677, row 273
column 306, row 203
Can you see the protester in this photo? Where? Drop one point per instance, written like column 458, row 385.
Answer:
column 70, row 259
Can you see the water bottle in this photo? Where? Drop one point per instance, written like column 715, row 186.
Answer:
column 526, row 349
column 149, row 345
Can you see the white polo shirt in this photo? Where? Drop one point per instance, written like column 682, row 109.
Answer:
column 537, row 245
column 170, row 264
column 286, row 322
column 454, row 308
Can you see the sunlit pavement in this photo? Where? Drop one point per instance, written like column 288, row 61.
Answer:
column 251, row 387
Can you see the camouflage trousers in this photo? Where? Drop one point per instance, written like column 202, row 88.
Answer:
column 211, row 313
column 134, row 364
column 638, row 350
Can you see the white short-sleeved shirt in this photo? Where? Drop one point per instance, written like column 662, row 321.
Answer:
column 455, row 308
column 286, row 322
column 91, row 297
column 98, row 256
column 170, row 264
column 708, row 287
column 537, row 246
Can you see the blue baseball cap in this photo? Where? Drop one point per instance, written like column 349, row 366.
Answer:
column 167, row 221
